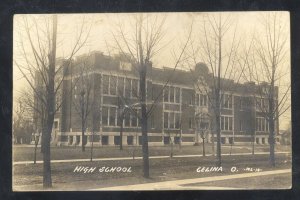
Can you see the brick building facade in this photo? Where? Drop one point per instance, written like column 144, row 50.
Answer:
column 180, row 104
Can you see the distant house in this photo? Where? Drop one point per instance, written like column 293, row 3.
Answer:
column 285, row 137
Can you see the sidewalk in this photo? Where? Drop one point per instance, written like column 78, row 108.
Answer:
column 183, row 184
column 137, row 158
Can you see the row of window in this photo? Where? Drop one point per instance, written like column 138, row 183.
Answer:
column 172, row 94
column 262, row 104
column 171, row 120
column 127, row 87
column 226, row 123
column 111, row 116
column 201, row 100
column 261, row 124
column 227, row 101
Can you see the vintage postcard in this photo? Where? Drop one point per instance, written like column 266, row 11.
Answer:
column 152, row 101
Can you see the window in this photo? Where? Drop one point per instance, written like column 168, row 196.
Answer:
column 117, row 140
column 177, row 92
column 241, row 103
column 109, row 116
column 130, row 140
column 140, row 140
column 227, row 101
column 259, row 104
column 120, row 86
column 176, row 140
column 177, row 120
column 105, row 84
column 201, row 100
column 167, row 140
column 104, row 140
column 226, row 123
column 127, row 119
column 105, row 116
column 171, row 120
column 152, row 122
column 172, row 94
column 110, row 85
column 153, row 93
column 133, row 120
column 171, row 90
column 191, row 100
column 241, row 126
column 262, row 104
column 139, row 114
column 127, row 88
column 112, row 116
column 166, row 120
column 190, row 123
column 135, row 88
column 166, row 94
column 113, row 85
column 261, row 124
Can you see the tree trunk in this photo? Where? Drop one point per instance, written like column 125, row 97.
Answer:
column 218, row 100
column 92, row 148
column 36, row 141
column 47, row 181
column 272, row 143
column 121, row 132
column 144, row 121
column 219, row 161
column 271, row 116
column 171, row 147
column 213, row 142
column 180, row 138
column 203, row 146
column 82, row 124
column 50, row 98
column 82, row 140
column 253, row 143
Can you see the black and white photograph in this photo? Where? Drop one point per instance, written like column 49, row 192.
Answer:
column 152, row 101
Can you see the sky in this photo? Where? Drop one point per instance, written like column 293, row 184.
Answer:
column 176, row 29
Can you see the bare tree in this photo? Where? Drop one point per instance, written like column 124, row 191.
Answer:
column 39, row 66
column 139, row 47
column 22, row 122
column 217, row 46
column 83, row 88
column 267, row 66
column 27, row 97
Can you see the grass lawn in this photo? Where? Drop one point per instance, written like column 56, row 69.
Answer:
column 21, row 153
